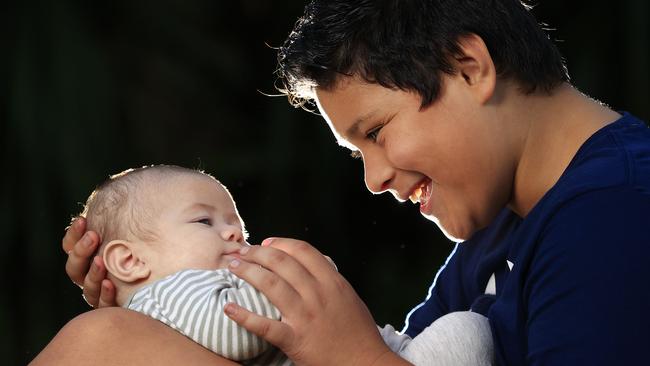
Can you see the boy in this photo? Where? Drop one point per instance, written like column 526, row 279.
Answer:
column 170, row 232
column 465, row 108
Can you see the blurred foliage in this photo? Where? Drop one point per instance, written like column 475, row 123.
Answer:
column 92, row 88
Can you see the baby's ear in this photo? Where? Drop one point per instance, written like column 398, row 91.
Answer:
column 123, row 262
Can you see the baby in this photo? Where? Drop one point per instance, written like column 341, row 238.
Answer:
column 168, row 236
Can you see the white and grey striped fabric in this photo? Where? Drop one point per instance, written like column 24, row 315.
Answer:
column 192, row 301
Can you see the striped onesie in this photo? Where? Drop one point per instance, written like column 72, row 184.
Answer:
column 192, row 302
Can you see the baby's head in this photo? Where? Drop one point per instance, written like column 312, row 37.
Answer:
column 158, row 220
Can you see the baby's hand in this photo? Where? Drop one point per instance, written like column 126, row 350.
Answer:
column 87, row 272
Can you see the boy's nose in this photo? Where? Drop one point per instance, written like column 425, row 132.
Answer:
column 232, row 233
column 377, row 174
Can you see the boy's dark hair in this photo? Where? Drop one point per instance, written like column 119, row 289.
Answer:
column 407, row 44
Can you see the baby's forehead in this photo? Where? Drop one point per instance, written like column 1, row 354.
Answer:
column 188, row 189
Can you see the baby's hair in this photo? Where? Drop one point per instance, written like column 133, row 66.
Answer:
column 121, row 207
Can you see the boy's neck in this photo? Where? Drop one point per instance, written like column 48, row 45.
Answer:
column 556, row 126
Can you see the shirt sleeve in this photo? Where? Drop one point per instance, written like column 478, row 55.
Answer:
column 435, row 304
column 587, row 287
column 456, row 339
column 192, row 302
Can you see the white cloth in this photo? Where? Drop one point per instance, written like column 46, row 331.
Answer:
column 457, row 339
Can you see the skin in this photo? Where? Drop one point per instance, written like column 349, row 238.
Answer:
column 483, row 145
column 197, row 227
column 106, row 337
column 453, row 144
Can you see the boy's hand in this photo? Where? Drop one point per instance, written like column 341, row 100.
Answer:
column 324, row 322
column 87, row 272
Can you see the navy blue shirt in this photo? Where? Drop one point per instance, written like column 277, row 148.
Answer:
column 573, row 276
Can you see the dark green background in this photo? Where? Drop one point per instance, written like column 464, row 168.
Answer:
column 90, row 88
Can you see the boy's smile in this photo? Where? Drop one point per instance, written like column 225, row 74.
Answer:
column 448, row 156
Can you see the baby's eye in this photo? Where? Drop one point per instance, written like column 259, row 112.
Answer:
column 204, row 221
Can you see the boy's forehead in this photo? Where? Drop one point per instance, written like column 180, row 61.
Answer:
column 339, row 139
column 347, row 105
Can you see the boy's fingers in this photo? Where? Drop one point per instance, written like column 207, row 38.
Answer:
column 79, row 257
column 277, row 290
column 73, row 233
column 107, row 295
column 283, row 265
column 83, row 269
column 310, row 258
column 331, row 262
column 93, row 282
column 274, row 331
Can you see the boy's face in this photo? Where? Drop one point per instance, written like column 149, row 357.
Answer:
column 198, row 226
column 453, row 150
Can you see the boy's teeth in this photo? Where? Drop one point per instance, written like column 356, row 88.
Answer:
column 415, row 197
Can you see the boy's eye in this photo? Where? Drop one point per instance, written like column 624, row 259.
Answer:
column 372, row 134
column 204, row 222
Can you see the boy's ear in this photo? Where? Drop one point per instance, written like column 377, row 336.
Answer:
column 123, row 262
column 475, row 65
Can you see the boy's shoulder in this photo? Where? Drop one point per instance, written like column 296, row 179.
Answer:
column 616, row 157
column 604, row 193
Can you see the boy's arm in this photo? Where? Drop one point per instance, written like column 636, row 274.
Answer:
column 192, row 302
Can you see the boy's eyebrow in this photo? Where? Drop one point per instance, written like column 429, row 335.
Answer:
column 352, row 130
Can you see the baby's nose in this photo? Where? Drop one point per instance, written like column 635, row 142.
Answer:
column 232, row 233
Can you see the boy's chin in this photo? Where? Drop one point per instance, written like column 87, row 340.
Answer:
column 452, row 232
